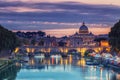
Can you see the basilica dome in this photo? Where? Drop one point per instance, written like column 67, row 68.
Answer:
column 83, row 28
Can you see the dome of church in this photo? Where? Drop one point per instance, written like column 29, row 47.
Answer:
column 83, row 28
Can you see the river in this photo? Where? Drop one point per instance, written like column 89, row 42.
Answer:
column 59, row 69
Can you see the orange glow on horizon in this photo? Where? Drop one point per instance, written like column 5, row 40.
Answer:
column 70, row 31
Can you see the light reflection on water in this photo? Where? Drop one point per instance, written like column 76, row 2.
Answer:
column 63, row 69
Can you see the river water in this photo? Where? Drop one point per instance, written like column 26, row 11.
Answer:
column 60, row 69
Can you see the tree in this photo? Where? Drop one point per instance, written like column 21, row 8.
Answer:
column 114, row 36
column 8, row 39
column 41, row 43
column 62, row 44
column 42, row 34
column 33, row 41
column 25, row 41
column 89, row 51
column 100, row 39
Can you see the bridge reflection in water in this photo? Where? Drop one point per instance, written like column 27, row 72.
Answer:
column 59, row 69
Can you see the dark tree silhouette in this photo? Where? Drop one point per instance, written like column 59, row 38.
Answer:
column 100, row 39
column 33, row 41
column 41, row 33
column 114, row 36
column 62, row 44
column 41, row 43
column 8, row 39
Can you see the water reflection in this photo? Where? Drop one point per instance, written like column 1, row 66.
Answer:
column 57, row 69
column 115, row 76
column 68, row 67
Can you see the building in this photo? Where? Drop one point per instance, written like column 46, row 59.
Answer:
column 82, row 38
column 80, row 42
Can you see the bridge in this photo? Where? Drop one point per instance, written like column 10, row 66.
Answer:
column 48, row 49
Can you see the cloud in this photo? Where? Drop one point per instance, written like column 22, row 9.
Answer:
column 45, row 15
column 37, row 25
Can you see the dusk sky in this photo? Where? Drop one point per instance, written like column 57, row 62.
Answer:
column 59, row 17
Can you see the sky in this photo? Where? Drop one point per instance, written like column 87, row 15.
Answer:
column 59, row 17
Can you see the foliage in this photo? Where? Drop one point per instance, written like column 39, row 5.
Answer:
column 8, row 40
column 25, row 41
column 33, row 41
column 41, row 33
column 62, row 44
column 41, row 43
column 30, row 34
column 87, row 52
column 114, row 36
column 99, row 39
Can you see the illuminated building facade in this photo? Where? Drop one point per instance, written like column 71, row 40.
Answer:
column 80, row 41
column 82, row 38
